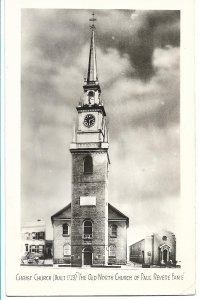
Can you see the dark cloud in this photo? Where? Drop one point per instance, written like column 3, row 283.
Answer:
column 142, row 32
column 138, row 64
column 136, row 33
column 147, row 103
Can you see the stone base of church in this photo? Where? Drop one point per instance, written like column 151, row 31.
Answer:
column 114, row 261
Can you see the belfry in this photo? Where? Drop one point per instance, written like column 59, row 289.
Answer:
column 90, row 231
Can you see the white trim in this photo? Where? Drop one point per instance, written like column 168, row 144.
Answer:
column 116, row 220
column 62, row 219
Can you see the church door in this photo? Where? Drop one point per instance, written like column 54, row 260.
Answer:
column 165, row 256
column 87, row 256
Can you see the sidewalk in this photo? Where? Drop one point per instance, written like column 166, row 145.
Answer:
column 48, row 261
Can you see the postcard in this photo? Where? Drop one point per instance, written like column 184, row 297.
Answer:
column 99, row 148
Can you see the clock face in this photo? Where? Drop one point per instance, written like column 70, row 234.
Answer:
column 89, row 120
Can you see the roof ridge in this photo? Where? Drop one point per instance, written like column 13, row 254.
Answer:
column 61, row 210
column 117, row 210
column 109, row 205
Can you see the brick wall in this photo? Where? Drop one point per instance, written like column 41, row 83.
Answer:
column 136, row 251
column 120, row 242
column 95, row 185
column 60, row 240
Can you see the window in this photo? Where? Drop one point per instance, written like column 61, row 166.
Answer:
column 91, row 94
column 40, row 249
column 26, row 247
column 112, row 251
column 88, row 165
column 65, row 229
column 27, row 236
column 41, row 235
column 33, row 248
column 91, row 97
column 67, row 250
column 114, row 230
column 87, row 229
column 33, row 235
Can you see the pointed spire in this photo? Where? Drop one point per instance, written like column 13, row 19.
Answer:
column 92, row 75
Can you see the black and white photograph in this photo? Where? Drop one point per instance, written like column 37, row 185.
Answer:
column 100, row 137
column 102, row 193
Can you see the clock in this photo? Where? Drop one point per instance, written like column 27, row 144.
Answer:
column 89, row 120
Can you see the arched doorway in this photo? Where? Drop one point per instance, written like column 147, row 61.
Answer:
column 164, row 254
column 87, row 256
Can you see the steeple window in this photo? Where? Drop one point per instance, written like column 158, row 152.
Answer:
column 87, row 229
column 91, row 97
column 88, row 165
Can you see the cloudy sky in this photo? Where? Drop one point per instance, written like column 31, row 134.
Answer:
column 138, row 67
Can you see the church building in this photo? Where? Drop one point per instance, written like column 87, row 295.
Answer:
column 156, row 249
column 90, row 231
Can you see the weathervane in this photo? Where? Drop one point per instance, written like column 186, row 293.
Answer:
column 92, row 26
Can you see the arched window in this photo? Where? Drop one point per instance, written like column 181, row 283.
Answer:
column 91, row 94
column 114, row 230
column 112, row 251
column 67, row 250
column 65, row 229
column 87, row 229
column 91, row 97
column 88, row 165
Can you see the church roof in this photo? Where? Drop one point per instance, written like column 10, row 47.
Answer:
column 113, row 214
column 64, row 213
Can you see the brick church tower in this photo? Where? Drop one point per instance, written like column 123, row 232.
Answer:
column 89, row 230
column 90, row 161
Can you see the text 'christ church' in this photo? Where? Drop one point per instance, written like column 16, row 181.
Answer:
column 89, row 230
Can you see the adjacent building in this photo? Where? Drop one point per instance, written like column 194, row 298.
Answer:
column 156, row 249
column 89, row 230
column 33, row 238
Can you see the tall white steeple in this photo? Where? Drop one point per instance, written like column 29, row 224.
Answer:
column 92, row 91
column 92, row 75
column 91, row 131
